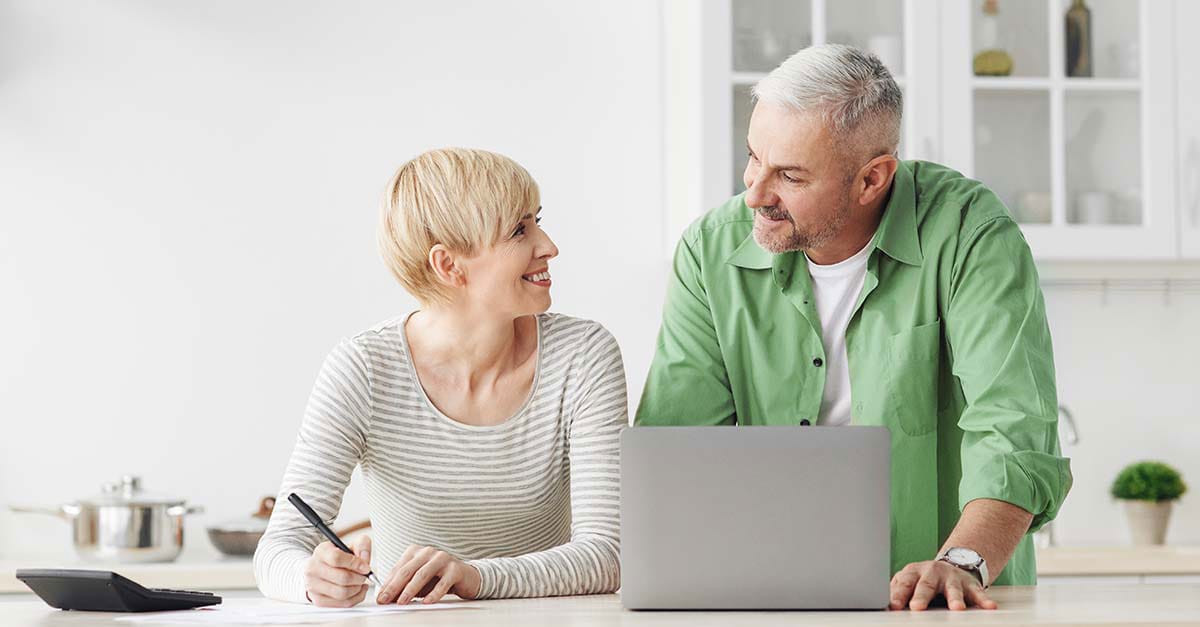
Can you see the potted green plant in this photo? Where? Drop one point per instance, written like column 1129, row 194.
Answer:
column 1148, row 490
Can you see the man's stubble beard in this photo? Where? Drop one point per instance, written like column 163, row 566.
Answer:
column 796, row 240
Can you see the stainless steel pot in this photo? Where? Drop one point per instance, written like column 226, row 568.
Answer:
column 125, row 523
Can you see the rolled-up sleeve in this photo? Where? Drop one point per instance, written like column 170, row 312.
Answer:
column 1003, row 358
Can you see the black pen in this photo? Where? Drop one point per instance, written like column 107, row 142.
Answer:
column 312, row 517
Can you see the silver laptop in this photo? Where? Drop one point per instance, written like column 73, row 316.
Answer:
column 755, row 518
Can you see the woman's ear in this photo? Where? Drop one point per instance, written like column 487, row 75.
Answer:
column 445, row 267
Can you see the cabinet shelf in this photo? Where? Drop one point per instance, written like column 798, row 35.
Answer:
column 1069, row 84
column 750, row 78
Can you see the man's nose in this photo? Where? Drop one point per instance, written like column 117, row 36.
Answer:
column 758, row 195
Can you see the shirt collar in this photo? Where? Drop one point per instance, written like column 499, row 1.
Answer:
column 896, row 234
column 750, row 255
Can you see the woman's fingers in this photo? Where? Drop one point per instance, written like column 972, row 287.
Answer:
column 443, row 586
column 422, row 577
column 342, row 577
column 362, row 549
column 422, row 572
column 413, row 559
column 321, row 600
column 320, row 587
column 362, row 594
column 333, row 577
column 332, row 556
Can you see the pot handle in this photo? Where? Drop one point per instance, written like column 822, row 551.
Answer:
column 66, row 511
column 180, row 510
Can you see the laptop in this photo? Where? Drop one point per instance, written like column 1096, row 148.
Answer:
column 771, row 518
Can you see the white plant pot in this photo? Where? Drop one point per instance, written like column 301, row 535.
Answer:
column 1148, row 521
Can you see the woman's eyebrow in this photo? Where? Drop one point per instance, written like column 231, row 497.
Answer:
column 530, row 215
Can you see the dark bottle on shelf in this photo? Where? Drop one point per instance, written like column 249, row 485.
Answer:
column 1079, row 39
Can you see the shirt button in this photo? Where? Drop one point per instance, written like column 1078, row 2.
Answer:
column 817, row 362
column 804, row 422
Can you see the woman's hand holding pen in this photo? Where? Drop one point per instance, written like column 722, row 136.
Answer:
column 334, row 578
column 426, row 572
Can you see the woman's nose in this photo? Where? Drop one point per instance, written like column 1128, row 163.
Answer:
column 547, row 249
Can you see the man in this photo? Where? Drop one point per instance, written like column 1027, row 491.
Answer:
column 847, row 287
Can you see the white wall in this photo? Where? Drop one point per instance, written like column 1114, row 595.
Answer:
column 187, row 207
column 188, row 196
column 1127, row 366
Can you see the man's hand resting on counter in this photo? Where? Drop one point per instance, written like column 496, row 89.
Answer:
column 991, row 528
column 918, row 583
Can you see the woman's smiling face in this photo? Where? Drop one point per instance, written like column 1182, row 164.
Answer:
column 512, row 277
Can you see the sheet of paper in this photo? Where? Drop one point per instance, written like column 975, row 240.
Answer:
column 267, row 612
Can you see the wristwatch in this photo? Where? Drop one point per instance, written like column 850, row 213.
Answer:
column 967, row 560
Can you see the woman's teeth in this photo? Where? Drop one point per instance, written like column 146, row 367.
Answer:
column 541, row 276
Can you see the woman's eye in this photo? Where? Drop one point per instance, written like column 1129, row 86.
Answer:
column 521, row 228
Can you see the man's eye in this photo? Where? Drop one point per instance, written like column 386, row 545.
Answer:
column 787, row 178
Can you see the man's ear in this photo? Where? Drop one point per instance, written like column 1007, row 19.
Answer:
column 444, row 264
column 875, row 178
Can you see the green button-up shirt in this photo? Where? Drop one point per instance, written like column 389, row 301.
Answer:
column 948, row 347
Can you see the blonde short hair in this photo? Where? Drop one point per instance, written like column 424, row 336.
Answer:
column 465, row 199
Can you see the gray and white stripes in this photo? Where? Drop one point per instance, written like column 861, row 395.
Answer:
column 533, row 503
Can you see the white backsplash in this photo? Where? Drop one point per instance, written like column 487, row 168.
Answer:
column 1128, row 367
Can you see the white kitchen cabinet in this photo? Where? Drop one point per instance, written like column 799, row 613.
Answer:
column 1086, row 165
column 1105, row 167
column 1187, row 16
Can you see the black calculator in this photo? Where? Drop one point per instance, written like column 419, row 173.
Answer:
column 106, row 591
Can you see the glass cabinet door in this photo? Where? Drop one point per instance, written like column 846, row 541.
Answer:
column 1062, row 108
column 1188, row 142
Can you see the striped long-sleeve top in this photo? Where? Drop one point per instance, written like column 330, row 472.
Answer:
column 532, row 503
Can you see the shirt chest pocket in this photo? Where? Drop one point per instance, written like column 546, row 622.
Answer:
column 912, row 380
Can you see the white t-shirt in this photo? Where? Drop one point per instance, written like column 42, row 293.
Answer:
column 836, row 288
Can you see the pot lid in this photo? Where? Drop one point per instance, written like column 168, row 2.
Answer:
column 254, row 523
column 128, row 491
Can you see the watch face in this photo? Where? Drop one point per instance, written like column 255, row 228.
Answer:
column 963, row 557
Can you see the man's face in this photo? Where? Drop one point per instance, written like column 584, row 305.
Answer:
column 796, row 180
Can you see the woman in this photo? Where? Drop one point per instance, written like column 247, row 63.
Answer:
column 485, row 428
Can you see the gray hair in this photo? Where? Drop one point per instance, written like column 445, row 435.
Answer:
column 849, row 88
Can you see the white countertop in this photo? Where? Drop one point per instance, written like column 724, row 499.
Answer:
column 1118, row 560
column 205, row 572
column 1177, row 604
column 185, row 574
